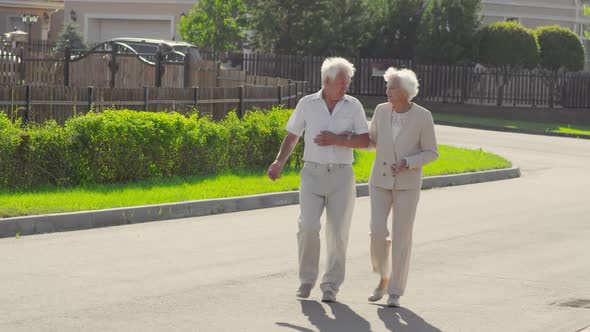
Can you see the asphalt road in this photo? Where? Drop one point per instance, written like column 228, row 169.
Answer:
column 496, row 256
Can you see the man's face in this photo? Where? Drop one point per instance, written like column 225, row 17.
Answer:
column 336, row 88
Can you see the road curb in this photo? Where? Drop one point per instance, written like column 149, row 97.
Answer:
column 63, row 222
column 510, row 130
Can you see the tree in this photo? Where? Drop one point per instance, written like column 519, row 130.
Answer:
column 70, row 32
column 587, row 13
column 447, row 31
column 345, row 28
column 509, row 47
column 288, row 26
column 219, row 24
column 560, row 50
column 394, row 29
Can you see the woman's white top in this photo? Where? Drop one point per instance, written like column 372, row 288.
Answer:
column 398, row 121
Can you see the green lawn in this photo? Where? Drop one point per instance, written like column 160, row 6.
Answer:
column 53, row 200
column 541, row 127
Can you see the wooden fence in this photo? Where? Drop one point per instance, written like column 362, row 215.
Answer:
column 39, row 87
column 450, row 84
column 41, row 103
column 9, row 68
column 101, row 68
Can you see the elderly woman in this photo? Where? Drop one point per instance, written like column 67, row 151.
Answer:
column 402, row 133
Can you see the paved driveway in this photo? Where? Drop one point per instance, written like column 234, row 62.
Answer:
column 487, row 257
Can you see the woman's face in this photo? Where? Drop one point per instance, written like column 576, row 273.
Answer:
column 395, row 93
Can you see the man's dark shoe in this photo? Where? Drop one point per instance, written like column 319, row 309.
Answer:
column 329, row 296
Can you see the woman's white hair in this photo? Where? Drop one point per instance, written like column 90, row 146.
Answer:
column 407, row 80
column 333, row 66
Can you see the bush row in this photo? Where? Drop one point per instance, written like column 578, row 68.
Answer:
column 123, row 145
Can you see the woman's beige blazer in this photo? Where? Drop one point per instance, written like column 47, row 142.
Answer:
column 416, row 142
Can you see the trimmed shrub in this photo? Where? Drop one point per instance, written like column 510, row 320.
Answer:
column 10, row 142
column 257, row 137
column 202, row 147
column 507, row 44
column 123, row 145
column 560, row 48
column 47, row 155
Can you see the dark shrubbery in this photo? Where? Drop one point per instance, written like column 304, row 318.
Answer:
column 507, row 44
column 560, row 48
column 122, row 146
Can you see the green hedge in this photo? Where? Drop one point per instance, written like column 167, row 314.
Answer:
column 560, row 48
column 123, row 145
column 507, row 44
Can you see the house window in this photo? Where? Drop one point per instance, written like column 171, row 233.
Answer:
column 15, row 21
column 513, row 19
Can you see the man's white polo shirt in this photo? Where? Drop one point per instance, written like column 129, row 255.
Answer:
column 312, row 117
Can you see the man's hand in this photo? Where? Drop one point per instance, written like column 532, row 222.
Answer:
column 398, row 168
column 326, row 138
column 274, row 170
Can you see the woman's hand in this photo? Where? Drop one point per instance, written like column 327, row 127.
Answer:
column 398, row 168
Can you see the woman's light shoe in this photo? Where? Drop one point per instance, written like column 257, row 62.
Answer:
column 378, row 293
column 393, row 301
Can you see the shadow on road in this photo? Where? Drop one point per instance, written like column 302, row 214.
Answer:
column 402, row 319
column 344, row 318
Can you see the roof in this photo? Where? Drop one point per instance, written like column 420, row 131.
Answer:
column 151, row 41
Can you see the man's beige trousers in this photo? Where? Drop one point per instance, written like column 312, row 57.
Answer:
column 404, row 204
column 331, row 187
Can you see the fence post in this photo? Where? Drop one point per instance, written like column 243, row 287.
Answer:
column 90, row 97
column 21, row 67
column 159, row 71
column 357, row 78
column 27, row 103
column 113, row 66
column 218, row 72
column 187, row 69
column 289, row 93
column 146, row 97
column 196, row 95
column 280, row 94
column 67, row 57
column 241, row 104
column 300, row 67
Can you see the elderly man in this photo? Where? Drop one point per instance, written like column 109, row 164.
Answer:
column 333, row 123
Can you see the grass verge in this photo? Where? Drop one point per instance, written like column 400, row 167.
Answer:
column 452, row 160
column 540, row 127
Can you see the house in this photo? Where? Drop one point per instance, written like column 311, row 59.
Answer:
column 535, row 13
column 48, row 13
column 101, row 20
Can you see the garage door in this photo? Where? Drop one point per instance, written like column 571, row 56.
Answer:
column 115, row 28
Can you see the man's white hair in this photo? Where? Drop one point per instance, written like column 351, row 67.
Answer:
column 407, row 80
column 334, row 66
